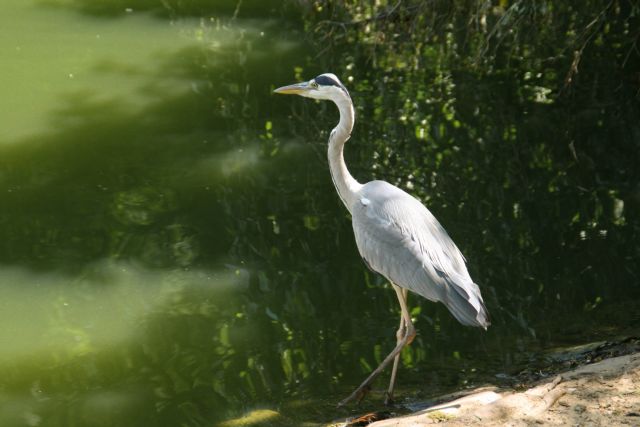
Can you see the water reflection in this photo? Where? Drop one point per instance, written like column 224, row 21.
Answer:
column 122, row 205
column 173, row 251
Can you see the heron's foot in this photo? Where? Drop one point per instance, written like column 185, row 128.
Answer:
column 388, row 399
column 359, row 394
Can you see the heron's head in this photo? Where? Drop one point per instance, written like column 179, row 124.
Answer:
column 325, row 86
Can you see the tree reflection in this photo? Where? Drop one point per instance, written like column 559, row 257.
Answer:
column 515, row 122
column 496, row 115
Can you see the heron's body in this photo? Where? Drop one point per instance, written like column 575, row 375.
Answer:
column 399, row 238
column 396, row 235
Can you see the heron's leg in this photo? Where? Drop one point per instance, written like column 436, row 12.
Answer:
column 394, row 371
column 409, row 335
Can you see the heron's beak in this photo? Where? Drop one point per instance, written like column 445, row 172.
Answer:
column 296, row 89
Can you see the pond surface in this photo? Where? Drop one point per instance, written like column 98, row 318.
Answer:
column 173, row 251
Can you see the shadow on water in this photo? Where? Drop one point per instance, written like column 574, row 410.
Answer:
column 120, row 171
column 184, row 259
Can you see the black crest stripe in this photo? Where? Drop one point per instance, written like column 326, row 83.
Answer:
column 328, row 81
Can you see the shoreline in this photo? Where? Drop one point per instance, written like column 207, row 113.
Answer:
column 601, row 387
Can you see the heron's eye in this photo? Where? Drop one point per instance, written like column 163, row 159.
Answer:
column 314, row 84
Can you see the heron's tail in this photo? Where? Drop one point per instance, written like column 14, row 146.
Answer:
column 466, row 304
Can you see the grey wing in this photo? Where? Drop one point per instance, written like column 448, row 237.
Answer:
column 399, row 238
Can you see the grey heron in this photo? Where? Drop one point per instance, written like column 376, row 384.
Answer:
column 396, row 236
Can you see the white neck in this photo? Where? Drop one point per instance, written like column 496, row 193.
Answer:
column 345, row 184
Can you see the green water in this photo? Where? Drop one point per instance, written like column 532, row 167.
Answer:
column 172, row 251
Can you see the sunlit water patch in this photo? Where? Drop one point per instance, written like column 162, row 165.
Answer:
column 52, row 53
column 92, row 340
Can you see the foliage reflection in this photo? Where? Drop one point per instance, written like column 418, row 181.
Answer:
column 177, row 255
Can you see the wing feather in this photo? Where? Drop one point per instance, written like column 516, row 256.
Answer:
column 399, row 238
